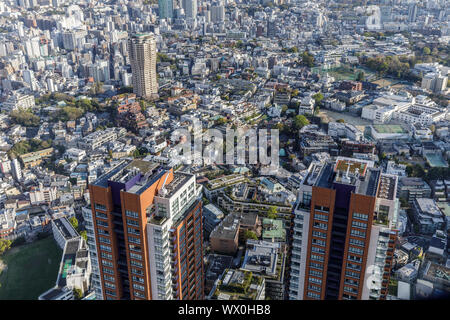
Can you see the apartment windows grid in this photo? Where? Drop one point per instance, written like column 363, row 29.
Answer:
column 357, row 224
column 104, row 240
column 105, row 248
column 319, row 234
column 355, row 250
column 108, row 278
column 102, row 223
column 316, row 265
column 352, row 274
column 109, row 285
column 131, row 214
column 101, row 215
column 313, row 295
column 317, row 250
column 132, row 222
column 358, row 233
column 99, row 206
column 316, row 273
column 319, row 216
column 320, row 225
column 108, row 271
column 106, row 255
column 319, row 242
column 360, row 216
column 357, row 242
column 107, row 263
column 135, row 256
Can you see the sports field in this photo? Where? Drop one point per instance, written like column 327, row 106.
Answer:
column 31, row 269
column 388, row 128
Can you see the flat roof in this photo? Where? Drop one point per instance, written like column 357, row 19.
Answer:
column 273, row 228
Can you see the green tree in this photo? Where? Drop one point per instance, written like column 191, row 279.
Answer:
column 74, row 222
column 340, row 120
column 307, row 59
column 426, row 51
column 83, row 234
column 300, row 121
column 25, row 118
column 5, row 245
column 318, row 97
column 272, row 212
column 78, row 294
column 248, row 234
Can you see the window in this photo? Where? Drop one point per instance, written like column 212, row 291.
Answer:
column 318, row 250
column 316, row 265
column 350, row 289
column 99, row 206
column 352, row 274
column 138, row 287
column 131, row 214
column 319, row 234
column 105, row 248
column 106, row 255
column 354, row 258
column 315, row 273
column 138, row 279
column 134, row 248
column 351, row 282
column 110, row 292
column 103, row 231
column 307, row 198
column 135, row 263
column 107, row 263
column 314, row 288
column 135, row 256
column 102, row 223
column 133, row 231
column 101, row 215
column 360, row 216
column 104, row 240
column 139, row 294
column 133, row 223
column 355, row 250
column 357, row 242
column 314, row 280
column 109, row 278
column 134, row 240
column 320, row 225
column 357, row 233
column 108, row 271
column 353, row 266
column 317, row 257
column 110, row 285
column 319, row 242
column 137, row 271
column 322, row 208
column 313, row 295
column 358, row 224
column 319, row 216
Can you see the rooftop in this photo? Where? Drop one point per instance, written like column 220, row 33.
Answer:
column 261, row 257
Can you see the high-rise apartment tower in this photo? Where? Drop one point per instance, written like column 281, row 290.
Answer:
column 147, row 221
column 142, row 54
column 343, row 232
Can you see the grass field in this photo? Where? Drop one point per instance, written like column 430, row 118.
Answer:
column 31, row 269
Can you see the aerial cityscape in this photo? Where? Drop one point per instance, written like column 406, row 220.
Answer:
column 224, row 150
